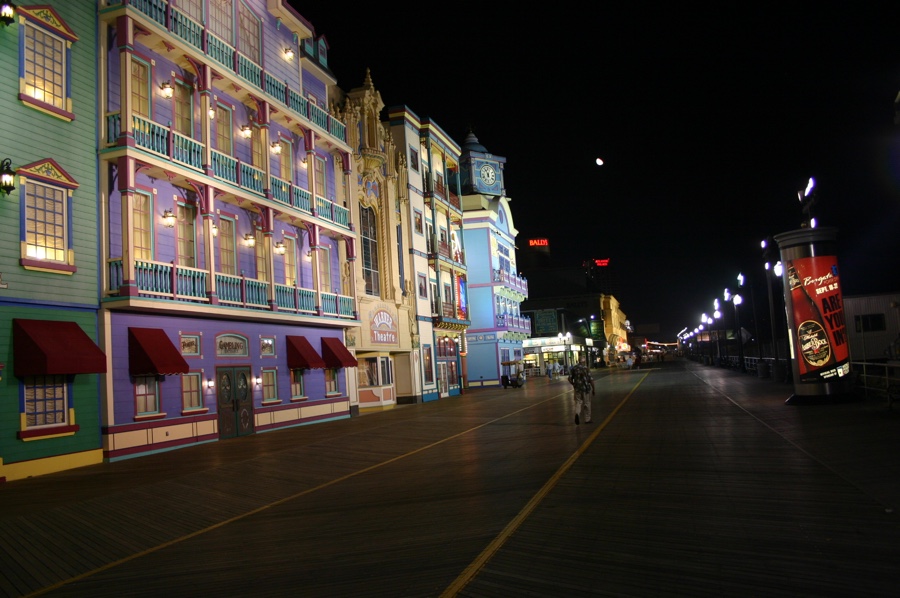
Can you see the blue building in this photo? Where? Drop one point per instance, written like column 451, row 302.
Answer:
column 496, row 289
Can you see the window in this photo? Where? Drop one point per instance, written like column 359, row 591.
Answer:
column 192, row 8
column 223, row 130
column 256, row 153
column 331, row 381
column 286, row 166
column 140, row 87
column 142, row 232
column 45, row 68
column 226, row 246
column 448, row 295
column 428, row 364
column 45, row 222
column 387, row 371
column 269, row 387
column 262, row 254
column 145, row 395
column 417, row 220
column 290, row 262
column 185, row 231
column 368, row 230
column 220, row 20
column 250, row 34
column 323, row 254
column 423, row 286
column 297, row 390
column 413, row 159
column 46, row 401
column 375, row 371
column 870, row 323
column 184, row 109
column 320, row 177
column 191, row 392
column 429, row 238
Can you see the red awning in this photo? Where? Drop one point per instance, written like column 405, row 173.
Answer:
column 150, row 352
column 301, row 355
column 336, row 354
column 49, row 348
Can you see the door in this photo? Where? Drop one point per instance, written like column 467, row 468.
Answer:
column 443, row 379
column 235, row 401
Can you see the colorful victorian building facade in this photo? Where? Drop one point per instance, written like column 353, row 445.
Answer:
column 428, row 194
column 496, row 290
column 226, row 225
column 383, row 344
column 50, row 362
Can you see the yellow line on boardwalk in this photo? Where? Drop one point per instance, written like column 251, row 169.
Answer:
column 488, row 553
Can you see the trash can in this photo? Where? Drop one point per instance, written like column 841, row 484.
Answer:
column 504, row 380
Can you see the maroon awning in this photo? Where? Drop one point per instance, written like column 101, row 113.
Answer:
column 150, row 352
column 301, row 355
column 336, row 354
column 49, row 348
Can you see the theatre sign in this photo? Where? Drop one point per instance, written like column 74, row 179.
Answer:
column 383, row 328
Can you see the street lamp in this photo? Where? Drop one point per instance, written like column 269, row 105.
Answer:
column 769, row 256
column 737, row 300
column 807, row 199
column 718, row 314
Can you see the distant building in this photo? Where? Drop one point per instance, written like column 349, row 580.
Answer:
column 873, row 326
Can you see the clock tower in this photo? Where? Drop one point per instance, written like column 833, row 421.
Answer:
column 481, row 173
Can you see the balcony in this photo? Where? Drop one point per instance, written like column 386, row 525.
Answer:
column 184, row 285
column 512, row 281
column 165, row 142
column 437, row 189
column 202, row 45
column 444, row 251
column 514, row 323
column 445, row 317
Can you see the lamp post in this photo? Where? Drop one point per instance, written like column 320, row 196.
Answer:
column 737, row 300
column 769, row 256
column 716, row 315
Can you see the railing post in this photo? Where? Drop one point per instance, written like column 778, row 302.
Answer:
column 174, row 280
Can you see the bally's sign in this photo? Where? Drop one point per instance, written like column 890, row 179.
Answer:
column 383, row 329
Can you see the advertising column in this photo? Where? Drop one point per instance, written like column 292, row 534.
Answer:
column 817, row 334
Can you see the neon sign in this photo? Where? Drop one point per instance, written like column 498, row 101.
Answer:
column 538, row 243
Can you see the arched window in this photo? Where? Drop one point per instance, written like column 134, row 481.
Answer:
column 368, row 229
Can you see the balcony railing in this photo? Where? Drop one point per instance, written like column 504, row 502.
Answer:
column 179, row 25
column 512, row 281
column 163, row 280
column 517, row 323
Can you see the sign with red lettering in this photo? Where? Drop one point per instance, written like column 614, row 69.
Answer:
column 538, row 243
column 602, row 263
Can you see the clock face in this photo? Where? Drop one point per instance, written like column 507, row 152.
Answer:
column 488, row 175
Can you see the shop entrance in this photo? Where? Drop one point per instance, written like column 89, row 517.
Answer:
column 235, row 401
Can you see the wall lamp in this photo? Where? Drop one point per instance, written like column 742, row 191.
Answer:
column 166, row 89
column 288, row 53
column 276, row 148
column 215, row 230
column 7, row 13
column 246, row 131
column 258, row 380
column 280, row 248
column 7, row 176
column 250, row 240
column 210, row 383
column 169, row 219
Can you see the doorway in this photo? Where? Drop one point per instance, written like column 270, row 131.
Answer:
column 235, row 401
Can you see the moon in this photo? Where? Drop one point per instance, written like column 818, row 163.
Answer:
column 599, row 162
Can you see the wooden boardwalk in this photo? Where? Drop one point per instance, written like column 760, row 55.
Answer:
column 693, row 481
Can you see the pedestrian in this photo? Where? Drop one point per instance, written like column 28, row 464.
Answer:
column 581, row 380
column 637, row 360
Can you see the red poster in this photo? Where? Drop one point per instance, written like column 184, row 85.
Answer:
column 819, row 327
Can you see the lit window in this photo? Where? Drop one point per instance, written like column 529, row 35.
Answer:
column 143, row 226
column 140, row 88
column 226, row 246
column 145, row 395
column 331, row 381
column 297, row 390
column 186, row 235
column 46, row 221
column 223, row 130
column 269, row 387
column 261, row 247
column 191, row 392
column 184, row 109
column 46, row 401
column 290, row 262
column 45, row 68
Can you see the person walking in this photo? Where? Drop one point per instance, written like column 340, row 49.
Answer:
column 581, row 380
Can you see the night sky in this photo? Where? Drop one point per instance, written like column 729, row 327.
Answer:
column 709, row 119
